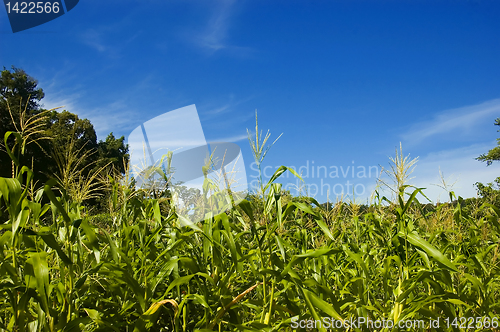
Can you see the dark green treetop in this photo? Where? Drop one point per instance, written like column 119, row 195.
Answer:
column 493, row 154
column 20, row 99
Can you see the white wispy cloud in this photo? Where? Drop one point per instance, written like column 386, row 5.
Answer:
column 111, row 120
column 105, row 119
column 94, row 39
column 214, row 36
column 221, row 109
column 62, row 102
column 117, row 112
column 464, row 120
column 233, row 139
column 216, row 31
column 61, row 88
column 229, row 106
column 109, row 39
column 457, row 165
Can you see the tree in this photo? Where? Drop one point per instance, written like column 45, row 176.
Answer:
column 66, row 126
column 67, row 129
column 490, row 191
column 19, row 102
column 19, row 91
column 113, row 150
column 493, row 154
column 53, row 132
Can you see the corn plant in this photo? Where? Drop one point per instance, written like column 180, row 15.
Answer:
column 261, row 266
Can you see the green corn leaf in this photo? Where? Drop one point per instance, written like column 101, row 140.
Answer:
column 312, row 254
column 20, row 221
column 119, row 273
column 190, row 264
column 312, row 309
column 93, row 242
column 278, row 173
column 12, row 194
column 359, row 260
column 178, row 282
column 50, row 241
column 432, row 251
column 77, row 325
column 186, row 222
column 230, row 239
column 322, row 225
column 38, row 269
column 151, row 315
column 112, row 247
column 164, row 273
column 53, row 199
column 305, row 208
column 322, row 305
column 19, row 141
column 97, row 318
column 247, row 208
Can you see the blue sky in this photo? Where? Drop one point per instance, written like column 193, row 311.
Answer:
column 344, row 81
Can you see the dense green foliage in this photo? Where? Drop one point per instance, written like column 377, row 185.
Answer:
column 258, row 267
column 490, row 191
column 493, row 154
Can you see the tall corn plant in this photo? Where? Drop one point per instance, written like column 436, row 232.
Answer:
column 79, row 179
column 259, row 148
column 24, row 241
column 31, row 131
column 399, row 173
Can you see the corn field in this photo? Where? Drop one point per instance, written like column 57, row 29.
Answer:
column 264, row 265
